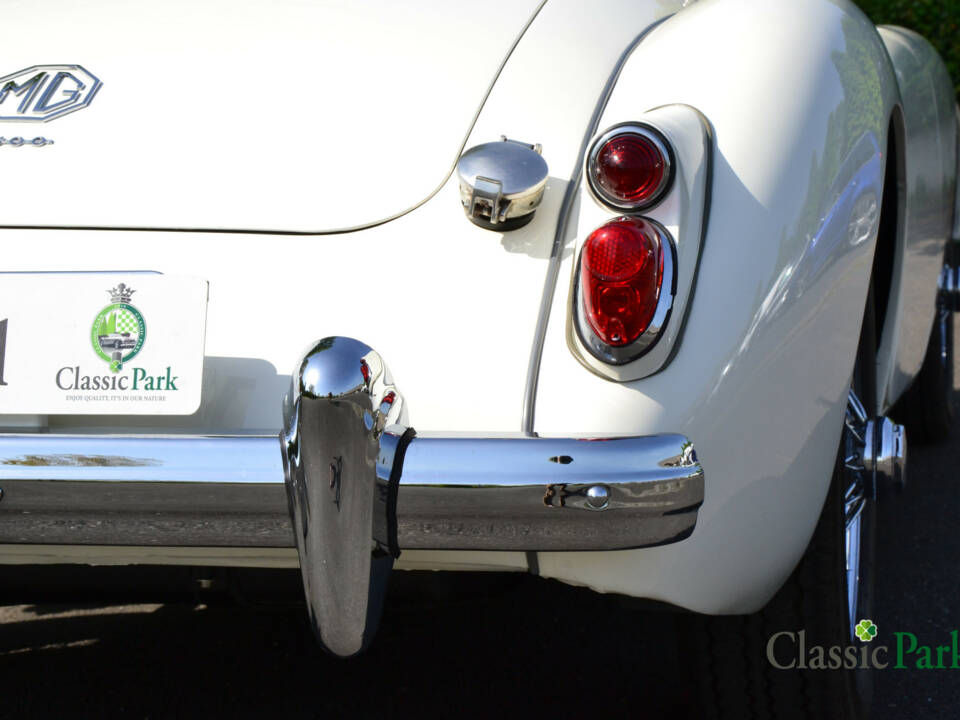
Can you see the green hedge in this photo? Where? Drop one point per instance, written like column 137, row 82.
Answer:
column 936, row 20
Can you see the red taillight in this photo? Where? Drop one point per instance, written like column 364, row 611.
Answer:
column 387, row 402
column 621, row 273
column 629, row 167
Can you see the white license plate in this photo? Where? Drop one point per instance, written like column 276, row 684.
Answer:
column 101, row 343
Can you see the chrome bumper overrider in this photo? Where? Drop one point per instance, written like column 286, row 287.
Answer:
column 353, row 486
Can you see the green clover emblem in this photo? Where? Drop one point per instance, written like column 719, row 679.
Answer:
column 866, row 630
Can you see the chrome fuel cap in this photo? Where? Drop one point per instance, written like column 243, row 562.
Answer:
column 502, row 183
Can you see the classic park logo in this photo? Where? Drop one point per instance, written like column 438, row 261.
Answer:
column 790, row 651
column 118, row 331
column 866, row 630
column 118, row 334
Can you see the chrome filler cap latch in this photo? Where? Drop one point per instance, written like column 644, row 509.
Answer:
column 502, row 183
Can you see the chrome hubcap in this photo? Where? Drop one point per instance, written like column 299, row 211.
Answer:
column 854, row 498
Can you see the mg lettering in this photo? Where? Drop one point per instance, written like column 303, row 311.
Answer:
column 45, row 92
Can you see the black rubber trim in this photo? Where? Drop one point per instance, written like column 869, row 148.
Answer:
column 393, row 489
column 504, row 225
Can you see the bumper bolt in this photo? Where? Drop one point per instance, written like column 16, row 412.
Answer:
column 598, row 496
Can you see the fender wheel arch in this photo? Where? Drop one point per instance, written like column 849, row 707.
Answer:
column 730, row 671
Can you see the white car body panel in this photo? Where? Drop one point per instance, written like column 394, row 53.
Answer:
column 761, row 372
column 929, row 187
column 208, row 105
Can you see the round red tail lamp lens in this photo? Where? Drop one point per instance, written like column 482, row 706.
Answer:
column 621, row 275
column 629, row 167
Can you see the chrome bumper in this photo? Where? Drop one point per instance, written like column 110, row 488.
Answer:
column 351, row 488
column 456, row 493
column 142, row 491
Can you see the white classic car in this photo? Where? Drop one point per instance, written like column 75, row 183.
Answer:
column 640, row 271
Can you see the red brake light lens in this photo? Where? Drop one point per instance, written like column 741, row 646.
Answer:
column 630, row 167
column 621, row 274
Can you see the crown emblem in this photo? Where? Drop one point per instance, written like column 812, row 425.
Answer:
column 121, row 293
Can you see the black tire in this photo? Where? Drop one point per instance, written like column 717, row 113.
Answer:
column 925, row 407
column 732, row 673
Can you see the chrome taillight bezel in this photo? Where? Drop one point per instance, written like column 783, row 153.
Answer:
column 663, row 147
column 621, row 355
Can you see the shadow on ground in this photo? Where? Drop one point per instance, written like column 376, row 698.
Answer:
column 528, row 646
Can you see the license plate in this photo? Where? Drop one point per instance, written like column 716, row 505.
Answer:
column 101, row 343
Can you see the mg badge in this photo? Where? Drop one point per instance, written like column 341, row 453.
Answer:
column 45, row 92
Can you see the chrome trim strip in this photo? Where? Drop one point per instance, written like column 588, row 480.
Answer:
column 563, row 221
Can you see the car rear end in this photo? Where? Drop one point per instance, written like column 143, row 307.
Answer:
column 211, row 258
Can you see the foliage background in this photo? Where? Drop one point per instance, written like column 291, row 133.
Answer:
column 937, row 20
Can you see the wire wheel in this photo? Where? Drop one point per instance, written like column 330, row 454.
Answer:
column 857, row 492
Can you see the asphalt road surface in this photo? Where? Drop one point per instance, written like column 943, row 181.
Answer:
column 467, row 647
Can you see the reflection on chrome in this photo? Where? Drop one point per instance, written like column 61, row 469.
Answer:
column 75, row 460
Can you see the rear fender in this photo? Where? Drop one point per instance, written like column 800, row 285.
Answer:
column 926, row 215
column 760, row 375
